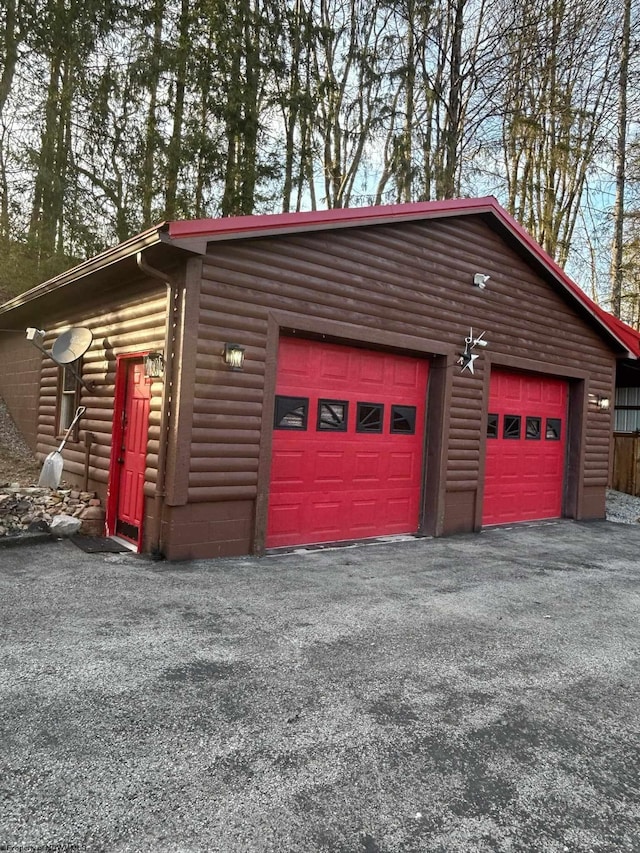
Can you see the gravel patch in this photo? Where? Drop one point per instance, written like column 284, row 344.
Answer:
column 622, row 508
column 18, row 465
column 10, row 436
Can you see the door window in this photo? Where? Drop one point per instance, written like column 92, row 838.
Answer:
column 369, row 417
column 511, row 427
column 291, row 412
column 554, row 428
column 403, row 419
column 533, row 429
column 333, row 415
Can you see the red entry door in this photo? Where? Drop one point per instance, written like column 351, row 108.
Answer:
column 132, row 458
column 348, row 442
column 526, row 447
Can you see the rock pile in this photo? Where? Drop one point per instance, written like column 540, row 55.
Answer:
column 31, row 508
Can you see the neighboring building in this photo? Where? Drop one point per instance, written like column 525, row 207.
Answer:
column 626, row 416
column 357, row 413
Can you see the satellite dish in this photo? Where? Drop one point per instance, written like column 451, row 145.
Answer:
column 71, row 345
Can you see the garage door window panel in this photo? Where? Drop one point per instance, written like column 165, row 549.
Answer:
column 554, row 429
column 492, row 425
column 333, row 415
column 369, row 417
column 403, row 420
column 511, row 427
column 291, row 413
column 533, row 429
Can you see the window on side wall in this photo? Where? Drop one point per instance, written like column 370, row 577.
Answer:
column 68, row 397
column 627, row 410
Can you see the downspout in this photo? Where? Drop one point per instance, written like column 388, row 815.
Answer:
column 156, row 538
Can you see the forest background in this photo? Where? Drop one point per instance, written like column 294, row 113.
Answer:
column 118, row 114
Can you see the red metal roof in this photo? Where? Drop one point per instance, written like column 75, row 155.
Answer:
column 311, row 220
column 627, row 334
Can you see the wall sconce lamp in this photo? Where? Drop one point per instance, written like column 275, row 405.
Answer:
column 234, row 356
column 154, row 365
column 480, row 280
column 601, row 403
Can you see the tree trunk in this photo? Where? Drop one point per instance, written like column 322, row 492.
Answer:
column 621, row 152
column 41, row 232
column 249, row 171
column 8, row 63
column 149, row 163
column 174, row 151
column 452, row 122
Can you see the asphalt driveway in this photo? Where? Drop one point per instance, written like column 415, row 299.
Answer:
column 478, row 693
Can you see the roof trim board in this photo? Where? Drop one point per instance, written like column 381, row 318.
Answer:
column 237, row 227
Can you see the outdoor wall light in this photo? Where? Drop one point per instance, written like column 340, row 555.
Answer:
column 480, row 280
column 234, row 356
column 154, row 365
column 602, row 403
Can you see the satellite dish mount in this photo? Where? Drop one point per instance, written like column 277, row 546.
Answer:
column 67, row 348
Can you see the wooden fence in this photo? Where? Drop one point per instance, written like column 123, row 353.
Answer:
column 626, row 463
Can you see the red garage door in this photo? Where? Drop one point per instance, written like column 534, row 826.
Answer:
column 347, row 444
column 526, row 440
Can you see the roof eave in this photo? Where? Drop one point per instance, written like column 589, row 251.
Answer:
column 105, row 259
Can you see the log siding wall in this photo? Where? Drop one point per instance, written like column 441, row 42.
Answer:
column 136, row 325
column 411, row 281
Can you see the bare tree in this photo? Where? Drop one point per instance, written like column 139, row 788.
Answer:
column 617, row 247
column 177, row 108
column 555, row 110
column 9, row 53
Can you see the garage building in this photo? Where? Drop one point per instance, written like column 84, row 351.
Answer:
column 409, row 369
